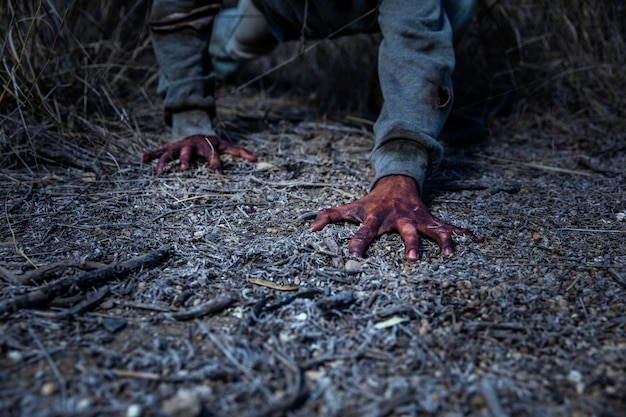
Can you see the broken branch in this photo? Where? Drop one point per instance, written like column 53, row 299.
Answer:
column 63, row 285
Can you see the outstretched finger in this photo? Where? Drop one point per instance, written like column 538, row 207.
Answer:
column 445, row 242
column 215, row 164
column 468, row 233
column 166, row 157
column 411, row 240
column 362, row 238
column 441, row 233
column 186, row 153
column 322, row 219
column 240, row 152
column 149, row 156
column 224, row 147
column 344, row 213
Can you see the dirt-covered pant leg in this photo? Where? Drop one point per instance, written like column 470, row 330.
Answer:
column 244, row 32
column 181, row 31
column 459, row 13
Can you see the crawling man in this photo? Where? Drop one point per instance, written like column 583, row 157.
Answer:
column 193, row 40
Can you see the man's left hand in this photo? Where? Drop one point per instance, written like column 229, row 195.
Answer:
column 393, row 205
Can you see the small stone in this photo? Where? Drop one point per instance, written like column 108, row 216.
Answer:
column 15, row 356
column 353, row 266
column 186, row 403
column 574, row 376
column 113, row 325
column 424, row 327
column 107, row 305
column 48, row 389
column 83, row 404
column 478, row 401
column 133, row 410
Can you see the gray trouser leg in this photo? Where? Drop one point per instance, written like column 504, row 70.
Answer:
column 239, row 35
column 180, row 36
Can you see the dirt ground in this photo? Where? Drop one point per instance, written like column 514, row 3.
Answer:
column 254, row 315
column 125, row 293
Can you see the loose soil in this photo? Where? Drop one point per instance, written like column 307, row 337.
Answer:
column 532, row 321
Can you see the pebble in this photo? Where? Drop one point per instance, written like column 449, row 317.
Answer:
column 113, row 325
column 353, row 266
column 186, row 403
column 576, row 378
column 15, row 356
column 133, row 410
column 83, row 404
column 48, row 389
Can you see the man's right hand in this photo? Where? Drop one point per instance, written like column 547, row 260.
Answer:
column 197, row 146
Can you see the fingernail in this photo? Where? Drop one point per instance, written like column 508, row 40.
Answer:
column 412, row 255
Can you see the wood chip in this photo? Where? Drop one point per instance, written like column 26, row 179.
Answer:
column 215, row 305
column 390, row 322
column 274, row 286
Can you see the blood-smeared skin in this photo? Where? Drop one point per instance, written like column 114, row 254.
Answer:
column 394, row 205
column 198, row 146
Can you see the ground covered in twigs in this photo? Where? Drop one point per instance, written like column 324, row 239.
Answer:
column 246, row 312
column 190, row 294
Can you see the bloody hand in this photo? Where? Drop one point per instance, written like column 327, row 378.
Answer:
column 207, row 147
column 393, row 205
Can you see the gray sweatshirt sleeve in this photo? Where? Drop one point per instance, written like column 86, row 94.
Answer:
column 181, row 31
column 415, row 63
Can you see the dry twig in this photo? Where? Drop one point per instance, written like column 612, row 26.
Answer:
column 65, row 284
column 216, row 305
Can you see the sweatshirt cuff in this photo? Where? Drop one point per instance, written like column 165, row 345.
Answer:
column 191, row 122
column 400, row 157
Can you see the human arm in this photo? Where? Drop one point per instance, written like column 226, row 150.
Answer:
column 416, row 60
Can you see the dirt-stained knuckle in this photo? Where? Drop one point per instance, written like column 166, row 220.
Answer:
column 198, row 18
column 326, row 216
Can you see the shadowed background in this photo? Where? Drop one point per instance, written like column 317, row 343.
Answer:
column 78, row 79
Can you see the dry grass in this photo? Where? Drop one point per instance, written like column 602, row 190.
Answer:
column 72, row 76
column 78, row 83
